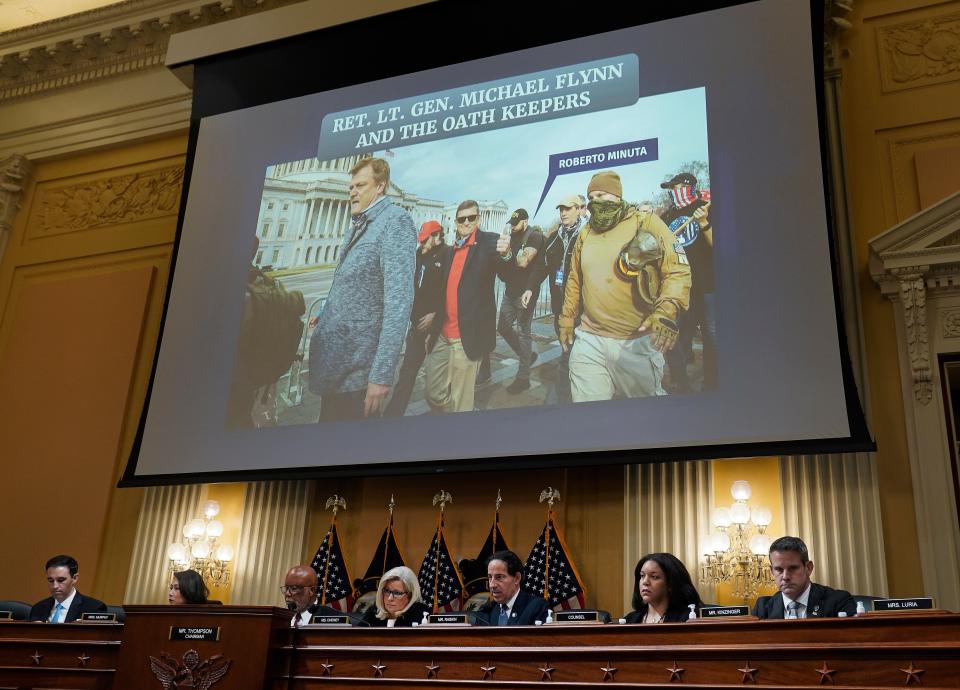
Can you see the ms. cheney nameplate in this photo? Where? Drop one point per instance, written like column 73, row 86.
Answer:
column 330, row 620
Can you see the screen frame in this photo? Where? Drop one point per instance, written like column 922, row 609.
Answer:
column 248, row 77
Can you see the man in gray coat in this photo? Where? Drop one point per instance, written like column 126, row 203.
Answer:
column 356, row 345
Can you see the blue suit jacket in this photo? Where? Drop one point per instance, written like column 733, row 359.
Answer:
column 526, row 609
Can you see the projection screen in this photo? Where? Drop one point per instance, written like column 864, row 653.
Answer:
column 286, row 299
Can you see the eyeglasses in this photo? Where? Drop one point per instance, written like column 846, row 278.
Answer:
column 393, row 593
column 293, row 589
column 463, row 220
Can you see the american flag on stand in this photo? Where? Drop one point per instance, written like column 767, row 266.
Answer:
column 441, row 585
column 335, row 588
column 549, row 572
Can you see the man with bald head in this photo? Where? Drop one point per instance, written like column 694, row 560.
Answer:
column 300, row 593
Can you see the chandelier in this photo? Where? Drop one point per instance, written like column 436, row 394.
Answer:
column 200, row 549
column 737, row 552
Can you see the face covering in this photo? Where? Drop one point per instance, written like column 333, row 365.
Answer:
column 605, row 215
column 683, row 195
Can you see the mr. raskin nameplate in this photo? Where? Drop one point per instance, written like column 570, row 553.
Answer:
column 178, row 632
column 448, row 618
column 577, row 617
column 98, row 617
column 724, row 611
column 330, row 620
column 908, row 604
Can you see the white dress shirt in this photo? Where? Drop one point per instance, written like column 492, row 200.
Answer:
column 801, row 600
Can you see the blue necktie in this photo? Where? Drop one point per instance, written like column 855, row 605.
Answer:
column 56, row 613
column 504, row 615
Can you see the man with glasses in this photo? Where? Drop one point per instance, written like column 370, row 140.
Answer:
column 356, row 345
column 300, row 595
column 466, row 324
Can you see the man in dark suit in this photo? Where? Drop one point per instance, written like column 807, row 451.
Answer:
column 509, row 604
column 66, row 604
column 799, row 596
column 465, row 329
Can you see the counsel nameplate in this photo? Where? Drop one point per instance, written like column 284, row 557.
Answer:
column 577, row 617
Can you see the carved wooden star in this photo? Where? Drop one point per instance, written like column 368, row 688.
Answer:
column 546, row 673
column 488, row 671
column 913, row 674
column 327, row 668
column 36, row 656
column 83, row 658
column 826, row 674
column 676, row 673
column 378, row 669
column 609, row 671
column 749, row 673
column 432, row 669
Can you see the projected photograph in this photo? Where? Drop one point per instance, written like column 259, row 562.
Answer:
column 523, row 253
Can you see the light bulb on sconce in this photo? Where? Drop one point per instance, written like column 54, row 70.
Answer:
column 200, row 549
column 737, row 551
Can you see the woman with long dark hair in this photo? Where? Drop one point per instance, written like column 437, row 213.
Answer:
column 187, row 587
column 662, row 590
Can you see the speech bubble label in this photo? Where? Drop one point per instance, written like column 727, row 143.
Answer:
column 586, row 87
column 627, row 153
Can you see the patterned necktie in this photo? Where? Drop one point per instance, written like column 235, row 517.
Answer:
column 504, row 615
column 56, row 613
column 793, row 610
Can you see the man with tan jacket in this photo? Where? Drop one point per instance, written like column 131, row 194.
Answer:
column 628, row 284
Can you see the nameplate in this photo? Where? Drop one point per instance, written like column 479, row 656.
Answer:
column 724, row 611
column 330, row 620
column 576, row 617
column 203, row 634
column 6, row 615
column 909, row 604
column 448, row 618
column 98, row 617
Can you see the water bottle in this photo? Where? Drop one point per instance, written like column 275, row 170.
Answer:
column 861, row 609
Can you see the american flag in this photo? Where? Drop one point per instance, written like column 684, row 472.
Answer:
column 335, row 589
column 549, row 572
column 386, row 556
column 441, row 585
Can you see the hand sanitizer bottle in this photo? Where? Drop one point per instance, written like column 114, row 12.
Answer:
column 693, row 612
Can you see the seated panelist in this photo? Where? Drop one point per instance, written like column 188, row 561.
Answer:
column 799, row 596
column 398, row 603
column 509, row 605
column 187, row 587
column 65, row 604
column 662, row 590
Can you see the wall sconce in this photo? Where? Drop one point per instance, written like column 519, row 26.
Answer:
column 201, row 550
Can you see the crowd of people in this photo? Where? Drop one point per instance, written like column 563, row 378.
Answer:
column 663, row 592
column 627, row 290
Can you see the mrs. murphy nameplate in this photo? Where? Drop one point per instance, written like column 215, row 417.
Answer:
column 178, row 632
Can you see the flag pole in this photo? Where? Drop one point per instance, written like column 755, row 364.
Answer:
column 336, row 502
column 496, row 522
column 443, row 497
column 549, row 495
column 386, row 544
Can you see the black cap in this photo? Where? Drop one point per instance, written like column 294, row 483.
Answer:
column 682, row 178
column 518, row 215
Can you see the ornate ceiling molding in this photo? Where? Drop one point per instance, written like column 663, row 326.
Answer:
column 14, row 173
column 100, row 44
